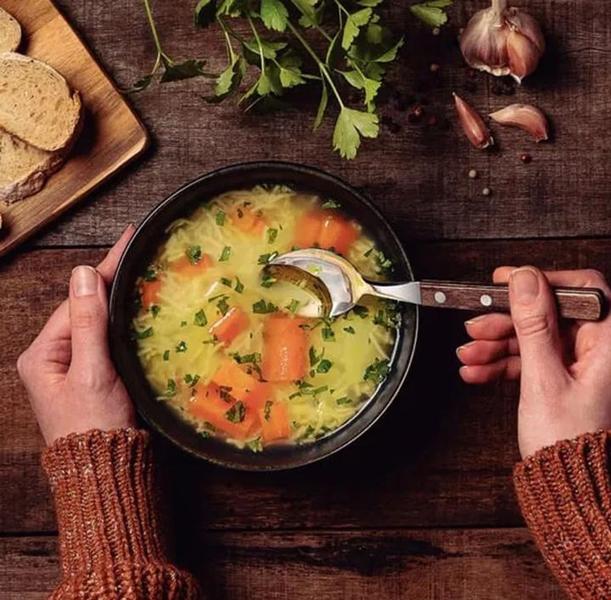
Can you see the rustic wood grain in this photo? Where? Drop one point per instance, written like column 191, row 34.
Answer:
column 112, row 135
column 416, row 174
column 437, row 565
column 442, row 456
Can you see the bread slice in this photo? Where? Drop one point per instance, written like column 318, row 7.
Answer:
column 36, row 103
column 10, row 32
column 23, row 168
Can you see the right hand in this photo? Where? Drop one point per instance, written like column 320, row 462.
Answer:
column 564, row 369
column 67, row 370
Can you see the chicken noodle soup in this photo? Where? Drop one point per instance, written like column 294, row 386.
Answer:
column 220, row 342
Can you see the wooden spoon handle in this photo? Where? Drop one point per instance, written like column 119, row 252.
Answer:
column 588, row 304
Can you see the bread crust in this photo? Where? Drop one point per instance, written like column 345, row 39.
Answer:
column 33, row 180
column 13, row 38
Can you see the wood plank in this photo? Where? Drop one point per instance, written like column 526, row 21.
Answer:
column 112, row 135
column 437, row 565
column 442, row 456
column 417, row 175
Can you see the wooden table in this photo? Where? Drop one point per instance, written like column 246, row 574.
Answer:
column 422, row 506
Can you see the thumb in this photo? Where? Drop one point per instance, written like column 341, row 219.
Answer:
column 88, row 323
column 533, row 310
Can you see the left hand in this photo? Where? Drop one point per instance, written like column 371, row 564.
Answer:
column 71, row 382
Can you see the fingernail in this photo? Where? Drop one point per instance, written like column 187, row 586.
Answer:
column 475, row 320
column 461, row 348
column 84, row 281
column 524, row 285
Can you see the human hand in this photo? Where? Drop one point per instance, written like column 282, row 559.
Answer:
column 67, row 371
column 564, row 368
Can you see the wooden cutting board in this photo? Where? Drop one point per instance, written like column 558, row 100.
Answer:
column 112, row 134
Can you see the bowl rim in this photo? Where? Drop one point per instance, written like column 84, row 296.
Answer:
column 289, row 167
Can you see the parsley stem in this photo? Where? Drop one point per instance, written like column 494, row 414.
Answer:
column 149, row 16
column 256, row 34
column 230, row 52
column 321, row 65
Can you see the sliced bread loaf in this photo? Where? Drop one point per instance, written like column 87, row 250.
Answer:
column 10, row 32
column 23, row 168
column 36, row 103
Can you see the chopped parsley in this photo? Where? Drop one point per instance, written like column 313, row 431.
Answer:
column 331, row 204
column 225, row 393
column 361, row 311
column 377, row 371
column 343, row 400
column 383, row 264
column 191, row 380
column 222, row 305
column 200, row 318
column 324, row 365
column 166, row 355
column 255, row 445
column 266, row 258
column 349, row 329
column 171, row 389
column 236, row 413
column 225, row 254
column 183, row 323
column 182, row 346
column 272, row 234
column 220, row 218
column 239, row 286
column 267, row 411
column 327, row 334
column 314, row 357
column 293, row 306
column 155, row 310
column 267, row 281
column 151, row 273
column 226, row 281
column 141, row 335
column 254, row 358
column 261, row 307
column 194, row 254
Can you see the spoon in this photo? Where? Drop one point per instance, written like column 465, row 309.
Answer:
column 337, row 286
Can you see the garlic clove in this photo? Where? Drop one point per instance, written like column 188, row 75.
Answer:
column 522, row 56
column 472, row 124
column 526, row 117
column 527, row 26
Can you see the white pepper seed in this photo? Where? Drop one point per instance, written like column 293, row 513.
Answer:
column 486, row 191
column 472, row 174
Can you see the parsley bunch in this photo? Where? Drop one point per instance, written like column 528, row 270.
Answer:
column 332, row 45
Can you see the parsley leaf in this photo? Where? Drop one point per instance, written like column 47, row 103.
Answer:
column 431, row 13
column 274, row 14
column 354, row 22
column 350, row 126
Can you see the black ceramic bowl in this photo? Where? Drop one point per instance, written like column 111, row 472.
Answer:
column 143, row 246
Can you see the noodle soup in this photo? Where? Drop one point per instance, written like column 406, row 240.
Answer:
column 219, row 340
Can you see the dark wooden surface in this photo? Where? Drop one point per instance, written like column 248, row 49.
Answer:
column 422, row 506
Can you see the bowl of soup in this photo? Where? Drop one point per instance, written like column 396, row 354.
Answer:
column 212, row 348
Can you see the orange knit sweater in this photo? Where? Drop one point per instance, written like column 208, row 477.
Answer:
column 109, row 531
column 109, row 534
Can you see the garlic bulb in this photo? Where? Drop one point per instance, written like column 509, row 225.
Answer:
column 503, row 41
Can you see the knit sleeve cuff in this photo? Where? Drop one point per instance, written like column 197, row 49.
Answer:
column 102, row 482
column 565, row 496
